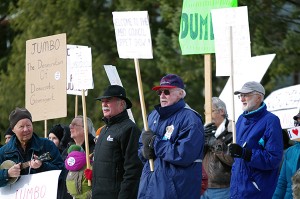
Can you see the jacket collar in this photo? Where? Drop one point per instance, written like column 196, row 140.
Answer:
column 165, row 112
column 116, row 119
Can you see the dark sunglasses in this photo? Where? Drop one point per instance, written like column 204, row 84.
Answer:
column 296, row 123
column 166, row 92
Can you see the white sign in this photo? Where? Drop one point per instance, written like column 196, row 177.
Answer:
column 237, row 19
column 253, row 70
column 115, row 79
column 285, row 103
column 133, row 34
column 70, row 82
column 38, row 186
column 81, row 68
column 294, row 133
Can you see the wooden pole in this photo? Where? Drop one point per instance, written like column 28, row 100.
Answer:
column 45, row 127
column 208, row 88
column 142, row 101
column 86, row 136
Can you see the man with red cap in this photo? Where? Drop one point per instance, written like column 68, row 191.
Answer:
column 175, row 142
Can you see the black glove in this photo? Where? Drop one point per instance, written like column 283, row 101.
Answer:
column 209, row 132
column 210, row 129
column 237, row 151
column 147, row 140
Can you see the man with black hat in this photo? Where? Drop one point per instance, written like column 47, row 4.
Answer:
column 175, row 142
column 259, row 146
column 26, row 146
column 117, row 166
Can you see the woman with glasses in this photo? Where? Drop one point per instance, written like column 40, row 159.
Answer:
column 291, row 163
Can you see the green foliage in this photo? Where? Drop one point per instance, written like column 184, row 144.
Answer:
column 274, row 28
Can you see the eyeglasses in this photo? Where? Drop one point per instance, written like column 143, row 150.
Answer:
column 246, row 95
column 75, row 125
column 296, row 123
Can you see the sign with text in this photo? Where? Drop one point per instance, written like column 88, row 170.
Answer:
column 71, row 71
column 33, row 186
column 46, row 67
column 232, row 38
column 196, row 31
column 133, row 34
column 285, row 103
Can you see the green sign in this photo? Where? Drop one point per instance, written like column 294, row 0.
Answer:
column 196, row 31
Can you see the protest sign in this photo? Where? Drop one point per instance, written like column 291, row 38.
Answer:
column 45, row 86
column 196, row 31
column 133, row 34
column 285, row 103
column 80, row 64
column 235, row 46
column 71, row 90
column 33, row 186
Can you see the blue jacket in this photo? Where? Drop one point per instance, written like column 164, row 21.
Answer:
column 178, row 147
column 259, row 131
column 291, row 164
column 38, row 146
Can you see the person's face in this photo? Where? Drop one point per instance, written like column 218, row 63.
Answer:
column 217, row 116
column 7, row 138
column 169, row 97
column 112, row 106
column 76, row 128
column 250, row 101
column 53, row 138
column 23, row 130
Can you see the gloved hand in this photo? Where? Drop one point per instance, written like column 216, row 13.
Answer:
column 209, row 131
column 237, row 151
column 147, row 140
column 210, row 128
column 88, row 173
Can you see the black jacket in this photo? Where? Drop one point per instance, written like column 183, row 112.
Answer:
column 117, row 168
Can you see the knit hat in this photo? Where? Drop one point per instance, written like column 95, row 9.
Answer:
column 17, row 115
column 58, row 131
column 75, row 147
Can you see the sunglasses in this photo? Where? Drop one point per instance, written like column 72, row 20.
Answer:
column 166, row 92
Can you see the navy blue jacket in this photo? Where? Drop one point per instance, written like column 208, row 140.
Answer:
column 37, row 146
column 179, row 149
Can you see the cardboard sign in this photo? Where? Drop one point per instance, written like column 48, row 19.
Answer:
column 133, row 34
column 46, row 67
column 232, row 38
column 37, row 186
column 71, row 90
column 196, row 31
column 294, row 133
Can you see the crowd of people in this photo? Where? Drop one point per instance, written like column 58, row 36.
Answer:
column 185, row 151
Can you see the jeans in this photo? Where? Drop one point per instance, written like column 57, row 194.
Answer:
column 216, row 193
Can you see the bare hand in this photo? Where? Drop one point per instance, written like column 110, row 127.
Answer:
column 35, row 163
column 14, row 171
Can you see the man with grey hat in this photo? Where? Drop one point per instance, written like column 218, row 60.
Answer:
column 259, row 146
column 26, row 147
column 117, row 166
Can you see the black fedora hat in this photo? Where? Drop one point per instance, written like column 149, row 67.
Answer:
column 116, row 91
